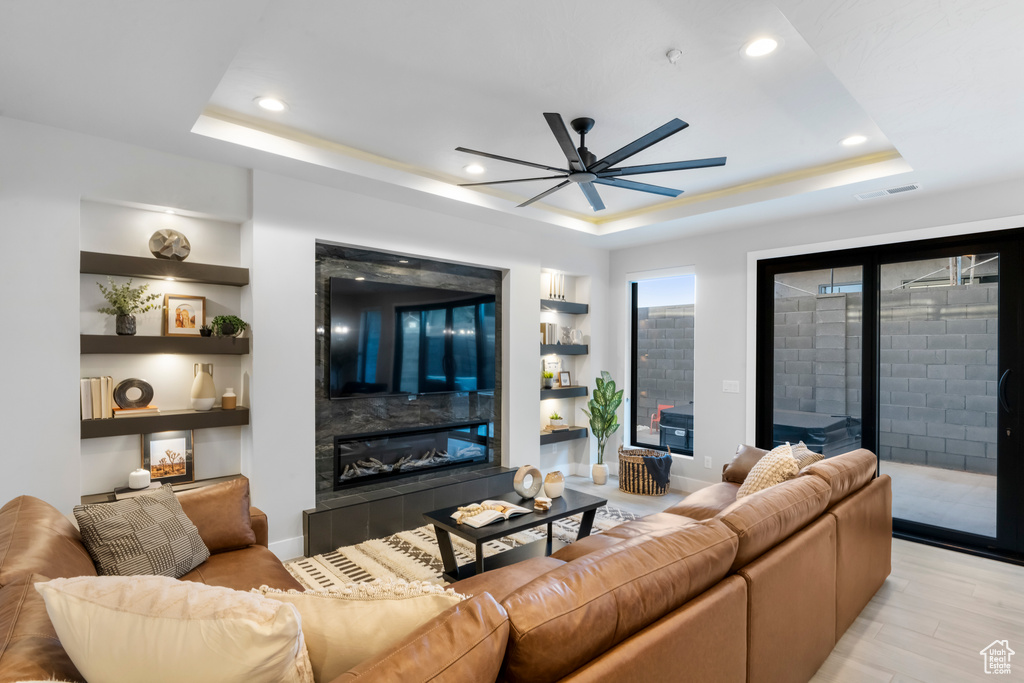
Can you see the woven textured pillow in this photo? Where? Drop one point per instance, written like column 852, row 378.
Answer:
column 147, row 534
column 774, row 468
column 346, row 626
column 805, row 456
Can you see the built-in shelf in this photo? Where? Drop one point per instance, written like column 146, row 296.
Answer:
column 159, row 269
column 563, row 392
column 570, row 434
column 108, row 496
column 564, row 306
column 106, row 343
column 167, row 420
column 564, row 349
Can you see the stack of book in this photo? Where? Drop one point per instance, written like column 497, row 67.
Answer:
column 97, row 397
column 132, row 412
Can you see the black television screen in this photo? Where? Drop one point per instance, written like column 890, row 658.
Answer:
column 404, row 339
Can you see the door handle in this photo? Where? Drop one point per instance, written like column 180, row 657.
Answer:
column 1002, row 391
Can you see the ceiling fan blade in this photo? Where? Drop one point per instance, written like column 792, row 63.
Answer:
column 572, row 155
column 642, row 187
column 592, row 196
column 544, row 194
column 639, row 145
column 517, row 180
column 510, row 160
column 660, row 168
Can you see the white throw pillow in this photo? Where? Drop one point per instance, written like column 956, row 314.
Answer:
column 346, row 626
column 805, row 456
column 162, row 630
column 775, row 467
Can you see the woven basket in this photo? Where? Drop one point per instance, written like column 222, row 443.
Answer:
column 633, row 476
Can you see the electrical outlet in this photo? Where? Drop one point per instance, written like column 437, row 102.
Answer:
column 730, row 386
column 707, row 461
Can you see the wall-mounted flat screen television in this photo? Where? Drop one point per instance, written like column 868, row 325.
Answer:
column 390, row 338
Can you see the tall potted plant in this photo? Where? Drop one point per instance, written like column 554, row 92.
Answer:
column 603, row 420
column 125, row 301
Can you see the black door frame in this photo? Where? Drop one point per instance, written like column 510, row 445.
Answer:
column 1009, row 543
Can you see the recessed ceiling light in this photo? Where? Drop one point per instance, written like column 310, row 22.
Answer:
column 271, row 103
column 761, row 47
column 475, row 169
column 854, row 140
column 169, row 211
column 360, row 279
column 169, row 279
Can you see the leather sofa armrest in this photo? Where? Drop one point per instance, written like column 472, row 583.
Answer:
column 258, row 518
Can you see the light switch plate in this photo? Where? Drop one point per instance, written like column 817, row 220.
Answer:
column 707, row 461
column 730, row 386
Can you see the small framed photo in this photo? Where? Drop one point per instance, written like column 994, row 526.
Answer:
column 183, row 315
column 168, row 456
column 564, row 380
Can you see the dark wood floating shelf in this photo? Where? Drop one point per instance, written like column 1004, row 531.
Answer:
column 181, row 271
column 166, row 421
column 570, row 434
column 107, row 343
column 563, row 392
column 108, row 497
column 564, row 306
column 564, row 349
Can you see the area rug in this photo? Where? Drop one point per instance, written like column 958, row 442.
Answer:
column 414, row 555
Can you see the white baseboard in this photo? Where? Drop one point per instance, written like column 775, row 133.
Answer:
column 288, row 549
column 686, row 484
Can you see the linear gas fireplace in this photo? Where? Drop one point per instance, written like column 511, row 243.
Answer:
column 361, row 458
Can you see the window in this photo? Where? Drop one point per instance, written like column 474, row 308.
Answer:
column 661, row 406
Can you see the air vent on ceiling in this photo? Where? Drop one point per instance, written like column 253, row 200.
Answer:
column 885, row 193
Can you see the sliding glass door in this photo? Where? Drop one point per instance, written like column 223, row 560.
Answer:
column 911, row 351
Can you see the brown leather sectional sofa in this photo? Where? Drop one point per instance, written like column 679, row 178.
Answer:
column 37, row 543
column 710, row 590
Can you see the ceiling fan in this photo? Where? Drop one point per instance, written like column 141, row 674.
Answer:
column 585, row 169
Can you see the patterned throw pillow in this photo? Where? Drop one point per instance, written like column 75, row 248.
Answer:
column 805, row 456
column 774, row 468
column 147, row 534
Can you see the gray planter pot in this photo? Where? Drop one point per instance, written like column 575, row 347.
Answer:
column 124, row 324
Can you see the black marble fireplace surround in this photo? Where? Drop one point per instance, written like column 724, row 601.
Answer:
column 386, row 417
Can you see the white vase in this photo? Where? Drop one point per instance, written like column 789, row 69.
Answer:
column 204, row 393
column 138, row 479
column 600, row 474
column 554, row 484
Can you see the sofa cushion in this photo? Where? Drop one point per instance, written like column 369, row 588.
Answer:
column 221, row 514
column 775, row 467
column 465, row 643
column 29, row 647
column 765, row 519
column 36, row 537
column 147, row 534
column 707, row 502
column 346, row 626
column 243, row 569
column 846, row 473
column 503, row 580
column 645, row 525
column 595, row 602
column 745, row 458
column 123, row 628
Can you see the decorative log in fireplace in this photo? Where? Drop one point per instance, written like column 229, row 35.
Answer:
column 361, row 458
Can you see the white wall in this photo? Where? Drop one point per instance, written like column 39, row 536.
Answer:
column 724, row 309
column 289, row 216
column 44, row 175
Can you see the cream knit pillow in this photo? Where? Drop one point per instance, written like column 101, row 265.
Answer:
column 775, row 467
column 346, row 626
column 805, row 456
column 124, row 629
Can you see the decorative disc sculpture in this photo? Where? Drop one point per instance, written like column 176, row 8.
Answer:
column 170, row 244
column 519, row 483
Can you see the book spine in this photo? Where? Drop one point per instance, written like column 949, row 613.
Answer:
column 94, row 385
column 86, row 391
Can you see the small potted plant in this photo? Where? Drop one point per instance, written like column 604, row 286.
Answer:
column 125, row 302
column 205, row 331
column 555, row 420
column 547, row 379
column 228, row 325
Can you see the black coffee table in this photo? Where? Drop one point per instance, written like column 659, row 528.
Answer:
column 568, row 504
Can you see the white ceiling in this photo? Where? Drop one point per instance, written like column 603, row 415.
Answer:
column 387, row 89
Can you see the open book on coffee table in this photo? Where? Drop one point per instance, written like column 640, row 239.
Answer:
column 487, row 512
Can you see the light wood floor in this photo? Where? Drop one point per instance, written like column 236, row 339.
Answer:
column 928, row 623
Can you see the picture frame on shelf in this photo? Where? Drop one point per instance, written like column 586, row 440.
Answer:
column 564, row 379
column 184, row 315
column 169, row 456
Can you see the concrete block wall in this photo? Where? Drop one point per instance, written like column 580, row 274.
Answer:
column 664, row 358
